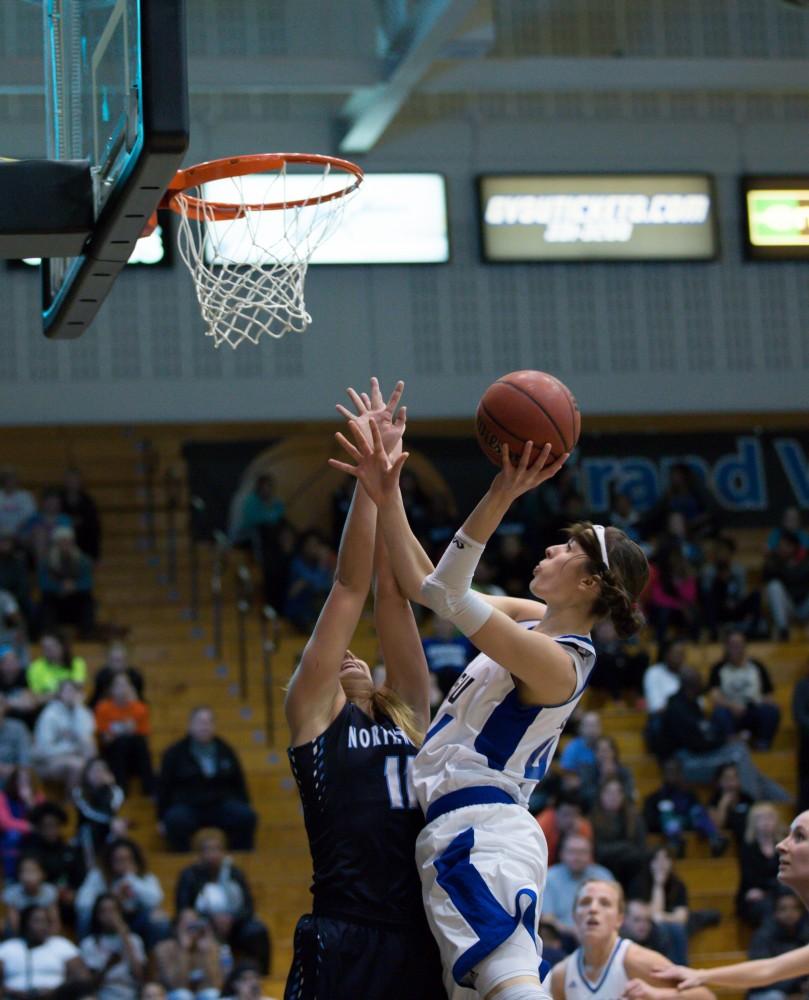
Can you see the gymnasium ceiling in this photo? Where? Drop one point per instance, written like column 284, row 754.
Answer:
column 365, row 63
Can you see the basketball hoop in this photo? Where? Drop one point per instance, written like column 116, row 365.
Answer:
column 249, row 267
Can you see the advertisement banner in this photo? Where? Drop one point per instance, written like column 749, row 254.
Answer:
column 751, row 477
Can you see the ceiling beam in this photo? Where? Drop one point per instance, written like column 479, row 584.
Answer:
column 367, row 114
column 543, row 75
column 327, row 76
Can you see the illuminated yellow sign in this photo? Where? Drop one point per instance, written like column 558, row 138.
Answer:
column 778, row 218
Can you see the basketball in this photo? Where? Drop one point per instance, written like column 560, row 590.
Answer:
column 527, row 406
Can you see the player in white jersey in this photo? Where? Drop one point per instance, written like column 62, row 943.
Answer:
column 482, row 856
column 606, row 966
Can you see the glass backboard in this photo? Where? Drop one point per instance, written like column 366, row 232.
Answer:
column 116, row 96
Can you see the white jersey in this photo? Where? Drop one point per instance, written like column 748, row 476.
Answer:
column 484, row 735
column 611, row 983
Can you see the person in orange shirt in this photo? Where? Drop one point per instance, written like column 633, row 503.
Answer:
column 122, row 721
column 558, row 821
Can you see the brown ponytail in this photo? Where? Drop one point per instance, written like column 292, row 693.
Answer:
column 622, row 582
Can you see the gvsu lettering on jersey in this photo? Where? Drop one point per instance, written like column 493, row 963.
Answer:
column 375, row 736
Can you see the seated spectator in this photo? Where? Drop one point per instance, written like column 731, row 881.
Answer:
column 729, row 805
column 559, row 820
column 17, row 801
column 784, row 931
column 15, row 743
column 575, row 867
column 37, row 532
column 674, row 808
column 153, row 991
column 244, row 982
column 63, row 737
column 723, row 590
column 790, row 524
column 580, row 751
column 217, row 889
column 16, row 504
column 800, row 713
column 62, row 862
column 65, row 577
column 98, row 800
column 39, row 964
column 260, row 507
column 660, row 682
column 310, row 579
column 447, row 652
column 117, row 662
column 188, row 963
column 21, row 702
column 122, row 722
column 742, row 694
column 13, row 627
column 672, row 595
column 607, row 765
column 83, row 513
column 687, row 494
column 640, row 927
column 701, row 748
column 30, row 889
column 621, row 838
column 657, row 884
column 620, row 663
column 113, row 954
column 662, row 679
column 758, row 864
column 623, row 515
column 55, row 664
column 201, row 784
column 14, row 575
column 676, row 535
column 786, row 576
column 122, row 872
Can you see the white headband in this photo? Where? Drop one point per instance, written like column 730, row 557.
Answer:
column 601, row 535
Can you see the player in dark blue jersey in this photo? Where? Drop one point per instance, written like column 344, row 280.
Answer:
column 352, row 750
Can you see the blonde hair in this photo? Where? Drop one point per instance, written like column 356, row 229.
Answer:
column 619, row 892
column 759, row 809
column 388, row 703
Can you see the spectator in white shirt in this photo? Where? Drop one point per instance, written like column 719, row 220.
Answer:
column 660, row 682
column 64, row 737
column 122, row 872
column 115, row 955
column 16, row 505
column 39, row 964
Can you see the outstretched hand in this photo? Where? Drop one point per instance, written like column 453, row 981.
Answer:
column 372, row 409
column 637, row 989
column 516, row 480
column 376, row 471
column 680, row 976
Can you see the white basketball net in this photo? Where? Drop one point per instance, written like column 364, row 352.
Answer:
column 249, row 273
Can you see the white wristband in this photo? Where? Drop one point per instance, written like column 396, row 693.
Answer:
column 456, row 567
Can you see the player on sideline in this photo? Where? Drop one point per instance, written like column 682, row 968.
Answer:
column 482, row 857
column 352, row 751
column 606, row 966
column 793, row 872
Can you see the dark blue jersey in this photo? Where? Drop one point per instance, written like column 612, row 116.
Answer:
column 362, row 819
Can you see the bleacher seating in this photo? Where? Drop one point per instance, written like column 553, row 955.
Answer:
column 175, row 656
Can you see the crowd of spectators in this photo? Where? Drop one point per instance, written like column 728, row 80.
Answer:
column 72, row 745
column 84, row 915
